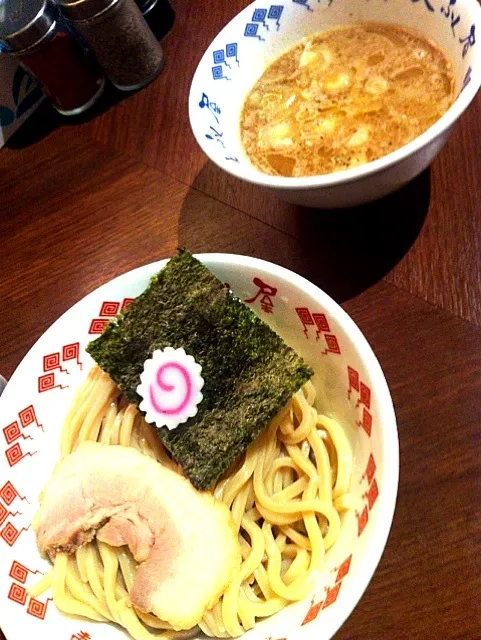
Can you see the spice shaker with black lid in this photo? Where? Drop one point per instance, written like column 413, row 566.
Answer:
column 158, row 14
column 119, row 37
column 31, row 32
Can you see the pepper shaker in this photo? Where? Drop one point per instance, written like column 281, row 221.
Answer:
column 31, row 32
column 159, row 15
column 120, row 39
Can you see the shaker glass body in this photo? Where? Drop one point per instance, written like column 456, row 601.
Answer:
column 123, row 44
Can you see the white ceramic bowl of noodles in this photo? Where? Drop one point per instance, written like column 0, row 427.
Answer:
column 238, row 56
column 351, row 388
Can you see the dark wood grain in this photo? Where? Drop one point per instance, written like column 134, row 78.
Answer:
column 443, row 265
column 427, row 583
column 84, row 201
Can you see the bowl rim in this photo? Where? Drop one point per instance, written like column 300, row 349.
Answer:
column 389, row 441
column 254, row 176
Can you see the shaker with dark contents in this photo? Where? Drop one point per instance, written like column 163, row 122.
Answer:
column 31, row 31
column 120, row 39
column 159, row 15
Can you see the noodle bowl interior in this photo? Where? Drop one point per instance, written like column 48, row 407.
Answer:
column 344, row 97
column 285, row 496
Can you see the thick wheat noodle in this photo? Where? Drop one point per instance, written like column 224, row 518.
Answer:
column 283, row 495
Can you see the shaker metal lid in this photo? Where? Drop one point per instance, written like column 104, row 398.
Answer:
column 23, row 23
column 84, row 9
column 146, row 5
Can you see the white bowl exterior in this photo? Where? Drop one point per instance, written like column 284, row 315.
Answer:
column 239, row 54
column 38, row 395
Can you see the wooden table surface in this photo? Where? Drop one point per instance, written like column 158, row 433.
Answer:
column 83, row 202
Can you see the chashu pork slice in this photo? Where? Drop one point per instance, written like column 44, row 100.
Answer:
column 184, row 539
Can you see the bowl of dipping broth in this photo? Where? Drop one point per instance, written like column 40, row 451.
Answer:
column 313, row 500
column 335, row 104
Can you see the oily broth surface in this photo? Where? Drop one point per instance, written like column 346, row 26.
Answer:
column 344, row 97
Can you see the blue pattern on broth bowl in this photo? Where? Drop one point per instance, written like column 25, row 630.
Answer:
column 239, row 55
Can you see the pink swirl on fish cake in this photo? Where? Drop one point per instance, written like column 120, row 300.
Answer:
column 170, row 387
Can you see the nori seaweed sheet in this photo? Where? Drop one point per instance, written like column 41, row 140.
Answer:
column 249, row 372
